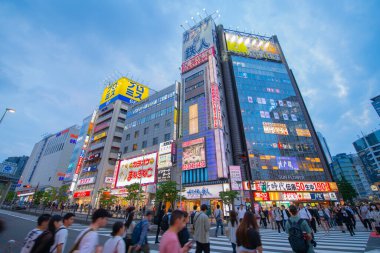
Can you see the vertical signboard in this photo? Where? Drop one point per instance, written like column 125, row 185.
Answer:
column 235, row 176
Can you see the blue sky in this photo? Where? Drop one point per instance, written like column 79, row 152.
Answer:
column 55, row 56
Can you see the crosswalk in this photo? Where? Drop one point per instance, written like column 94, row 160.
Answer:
column 274, row 242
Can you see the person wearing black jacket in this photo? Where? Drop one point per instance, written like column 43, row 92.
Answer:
column 160, row 215
column 184, row 234
column 314, row 215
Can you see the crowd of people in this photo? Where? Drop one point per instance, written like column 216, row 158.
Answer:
column 242, row 228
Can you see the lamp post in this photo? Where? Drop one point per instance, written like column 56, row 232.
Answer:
column 7, row 110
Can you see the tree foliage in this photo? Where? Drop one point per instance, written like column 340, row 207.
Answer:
column 49, row 195
column 37, row 199
column 228, row 197
column 346, row 189
column 10, row 196
column 62, row 195
column 167, row 192
column 134, row 193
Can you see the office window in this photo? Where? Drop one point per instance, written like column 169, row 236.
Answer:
column 134, row 147
column 126, row 149
column 167, row 123
column 167, row 137
column 136, row 134
column 193, row 119
column 146, row 130
column 144, row 144
column 127, row 137
column 155, row 140
column 157, row 125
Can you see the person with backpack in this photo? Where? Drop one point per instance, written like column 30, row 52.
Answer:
column 201, row 230
column 129, row 227
column 247, row 235
column 299, row 232
column 164, row 224
column 347, row 220
column 88, row 240
column 278, row 218
column 140, row 234
column 42, row 225
column 184, row 234
column 231, row 230
column 218, row 214
column 195, row 207
column 116, row 243
column 160, row 215
column 61, row 234
column 44, row 242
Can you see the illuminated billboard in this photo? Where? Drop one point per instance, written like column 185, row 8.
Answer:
column 140, row 169
column 253, row 46
column 194, row 154
column 275, row 128
column 124, row 89
column 303, row 132
column 287, row 163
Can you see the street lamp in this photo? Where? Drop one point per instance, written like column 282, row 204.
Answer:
column 7, row 110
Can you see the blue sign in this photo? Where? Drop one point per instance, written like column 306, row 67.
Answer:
column 287, row 163
column 89, row 169
column 317, row 196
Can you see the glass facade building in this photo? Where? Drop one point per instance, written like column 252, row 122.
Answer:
column 376, row 104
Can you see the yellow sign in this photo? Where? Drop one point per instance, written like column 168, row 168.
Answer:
column 124, row 89
column 275, row 128
column 303, row 132
column 99, row 136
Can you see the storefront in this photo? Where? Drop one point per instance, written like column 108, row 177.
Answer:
column 83, row 197
column 25, row 196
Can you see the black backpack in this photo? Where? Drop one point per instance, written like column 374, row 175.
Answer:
column 165, row 222
column 296, row 238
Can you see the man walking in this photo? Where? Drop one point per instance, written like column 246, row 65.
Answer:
column 140, row 234
column 42, row 225
column 285, row 215
column 219, row 220
column 202, row 228
column 304, row 214
column 241, row 212
column 61, row 234
column 278, row 218
column 160, row 215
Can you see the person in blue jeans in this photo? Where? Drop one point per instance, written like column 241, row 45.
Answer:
column 218, row 214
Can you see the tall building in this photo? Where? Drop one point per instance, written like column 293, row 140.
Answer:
column 204, row 147
column 273, row 138
column 47, row 164
column 376, row 104
column 325, row 147
column 351, row 168
column 148, row 143
column 103, row 150
column 368, row 149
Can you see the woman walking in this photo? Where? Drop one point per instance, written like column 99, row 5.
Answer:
column 247, row 235
column 324, row 219
column 116, row 243
column 339, row 218
column 232, row 226
column 44, row 242
column 129, row 227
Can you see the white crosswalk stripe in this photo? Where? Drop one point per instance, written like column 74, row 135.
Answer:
column 274, row 242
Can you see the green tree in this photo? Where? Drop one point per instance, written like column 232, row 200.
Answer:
column 37, row 199
column 49, row 195
column 62, row 195
column 168, row 192
column 10, row 196
column 346, row 189
column 134, row 193
column 228, row 198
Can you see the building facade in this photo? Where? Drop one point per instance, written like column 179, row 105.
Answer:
column 325, row 148
column 48, row 162
column 376, row 104
column 351, row 168
column 368, row 149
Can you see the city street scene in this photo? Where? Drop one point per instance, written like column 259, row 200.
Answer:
column 189, row 126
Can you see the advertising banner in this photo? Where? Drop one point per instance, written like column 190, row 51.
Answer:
column 275, row 128
column 197, row 60
column 261, row 196
column 205, row 191
column 235, row 176
column 194, row 154
column 317, row 196
column 99, row 136
column 164, row 161
column 108, row 180
column 303, row 132
column 163, row 175
column 141, row 169
column 126, row 90
column 287, row 163
column 292, row 186
column 165, row 147
column 82, row 194
column 89, row 180
column 8, row 168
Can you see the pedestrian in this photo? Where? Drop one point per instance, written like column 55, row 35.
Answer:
column 140, row 234
column 263, row 219
column 45, row 241
column 42, row 225
column 339, row 218
column 347, row 220
column 170, row 242
column 365, row 215
column 376, row 218
column 61, row 234
column 247, row 235
column 88, row 240
column 202, row 228
column 241, row 212
column 285, row 215
column 116, row 243
column 129, row 227
column 328, row 217
column 304, row 214
column 300, row 234
column 165, row 223
column 272, row 218
column 160, row 215
column 184, row 234
column 278, row 218
column 324, row 219
column 192, row 215
column 218, row 214
column 231, row 230
column 313, row 220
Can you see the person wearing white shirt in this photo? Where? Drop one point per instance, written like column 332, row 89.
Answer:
column 304, row 214
column 61, row 234
column 42, row 225
column 241, row 212
column 116, row 243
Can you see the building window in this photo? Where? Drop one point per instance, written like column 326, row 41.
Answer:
column 136, row 134
column 126, row 149
column 155, row 140
column 127, row 137
column 146, row 130
column 167, row 137
column 134, row 147
column 167, row 123
column 144, row 144
column 157, row 125
column 193, row 119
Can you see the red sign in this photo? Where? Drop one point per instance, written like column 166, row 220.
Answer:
column 82, row 194
column 292, row 186
column 79, row 165
column 261, row 196
column 215, row 101
column 144, row 173
column 197, row 60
